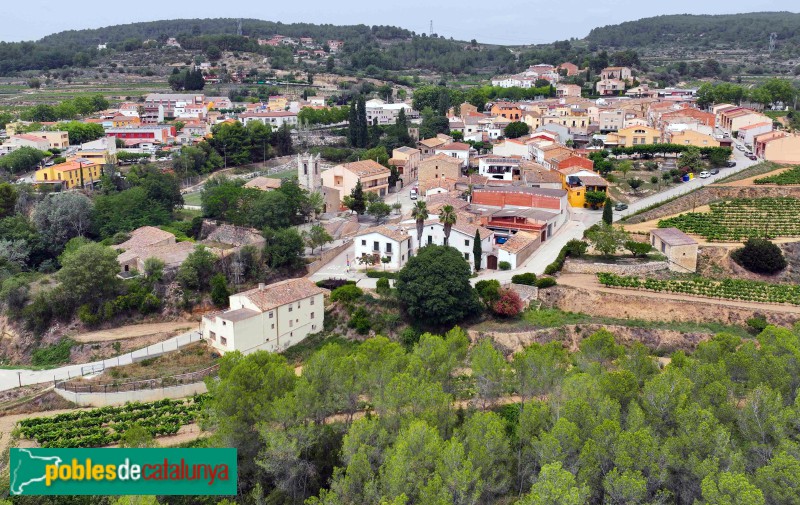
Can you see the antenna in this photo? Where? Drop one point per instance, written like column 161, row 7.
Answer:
column 773, row 37
column 430, row 33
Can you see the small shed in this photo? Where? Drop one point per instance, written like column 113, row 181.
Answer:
column 679, row 248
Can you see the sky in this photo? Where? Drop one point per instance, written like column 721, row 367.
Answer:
column 516, row 22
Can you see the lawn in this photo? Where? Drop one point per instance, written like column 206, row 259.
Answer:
column 192, row 198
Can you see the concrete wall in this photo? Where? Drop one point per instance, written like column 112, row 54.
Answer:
column 145, row 395
column 327, row 256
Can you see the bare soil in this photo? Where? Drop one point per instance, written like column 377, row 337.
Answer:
column 136, row 330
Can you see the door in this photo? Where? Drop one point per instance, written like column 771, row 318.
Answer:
column 491, row 262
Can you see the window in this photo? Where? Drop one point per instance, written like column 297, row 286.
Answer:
column 223, row 340
column 364, row 242
column 273, row 326
column 388, row 247
column 290, row 308
column 466, row 256
column 212, row 335
column 376, row 246
column 298, row 305
column 312, row 315
column 466, row 242
column 224, row 323
column 270, row 315
column 291, row 323
column 313, row 326
column 311, row 302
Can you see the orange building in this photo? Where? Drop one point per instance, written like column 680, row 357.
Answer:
column 507, row 110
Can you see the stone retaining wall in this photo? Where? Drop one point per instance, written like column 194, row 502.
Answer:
column 710, row 194
column 586, row 267
column 633, row 306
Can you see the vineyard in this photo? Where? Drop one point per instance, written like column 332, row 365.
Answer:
column 786, row 178
column 729, row 289
column 105, row 425
column 742, row 218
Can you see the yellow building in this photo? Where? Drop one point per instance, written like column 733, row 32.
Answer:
column 576, row 181
column 277, row 103
column 693, row 138
column 78, row 173
column 57, row 139
column 122, row 121
column 634, row 136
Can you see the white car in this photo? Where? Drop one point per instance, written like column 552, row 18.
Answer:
column 704, row 175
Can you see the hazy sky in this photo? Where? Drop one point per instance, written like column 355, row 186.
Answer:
column 507, row 22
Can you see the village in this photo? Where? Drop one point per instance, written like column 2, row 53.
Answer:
column 304, row 264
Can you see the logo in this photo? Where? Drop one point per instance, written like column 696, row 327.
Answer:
column 123, row 472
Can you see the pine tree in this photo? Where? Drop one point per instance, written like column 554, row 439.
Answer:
column 477, row 250
column 608, row 212
column 363, row 127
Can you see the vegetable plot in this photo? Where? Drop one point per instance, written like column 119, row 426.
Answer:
column 742, row 218
column 730, row 289
column 104, row 426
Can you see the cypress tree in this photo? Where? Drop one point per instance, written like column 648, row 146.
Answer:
column 352, row 127
column 608, row 212
column 477, row 250
column 363, row 127
column 401, row 127
column 359, row 204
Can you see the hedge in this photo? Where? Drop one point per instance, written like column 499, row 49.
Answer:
column 378, row 274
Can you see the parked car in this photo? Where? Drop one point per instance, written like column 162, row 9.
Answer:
column 714, row 171
column 739, row 147
column 704, row 175
column 752, row 156
column 413, row 194
column 621, row 206
column 730, row 164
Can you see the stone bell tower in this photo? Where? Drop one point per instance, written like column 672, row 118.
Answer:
column 308, row 171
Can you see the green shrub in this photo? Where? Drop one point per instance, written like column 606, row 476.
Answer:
column 333, row 283
column 382, row 286
column 504, row 265
column 545, row 282
column 638, row 248
column 757, row 324
column 88, row 315
column 528, row 279
column 360, row 321
column 576, row 248
column 150, row 304
column 55, row 354
column 760, row 256
column 488, row 291
column 219, row 290
column 379, row 274
column 347, row 293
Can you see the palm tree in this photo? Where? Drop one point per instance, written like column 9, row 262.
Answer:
column 420, row 213
column 448, row 217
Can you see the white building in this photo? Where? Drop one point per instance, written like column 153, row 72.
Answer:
column 268, row 318
column 511, row 147
column 462, row 238
column 456, row 150
column 275, row 119
column 391, row 242
column 499, row 168
column 386, row 113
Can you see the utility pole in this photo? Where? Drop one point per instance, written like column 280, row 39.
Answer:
column 430, row 33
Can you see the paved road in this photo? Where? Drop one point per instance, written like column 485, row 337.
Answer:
column 9, row 379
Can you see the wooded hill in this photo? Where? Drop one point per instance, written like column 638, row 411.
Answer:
column 726, row 31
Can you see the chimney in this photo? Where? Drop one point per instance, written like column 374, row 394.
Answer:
column 261, row 286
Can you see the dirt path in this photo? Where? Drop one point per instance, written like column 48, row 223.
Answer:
column 750, row 180
column 135, row 330
column 589, row 282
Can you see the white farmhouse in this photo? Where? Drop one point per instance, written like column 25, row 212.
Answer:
column 462, row 238
column 267, row 318
column 391, row 242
